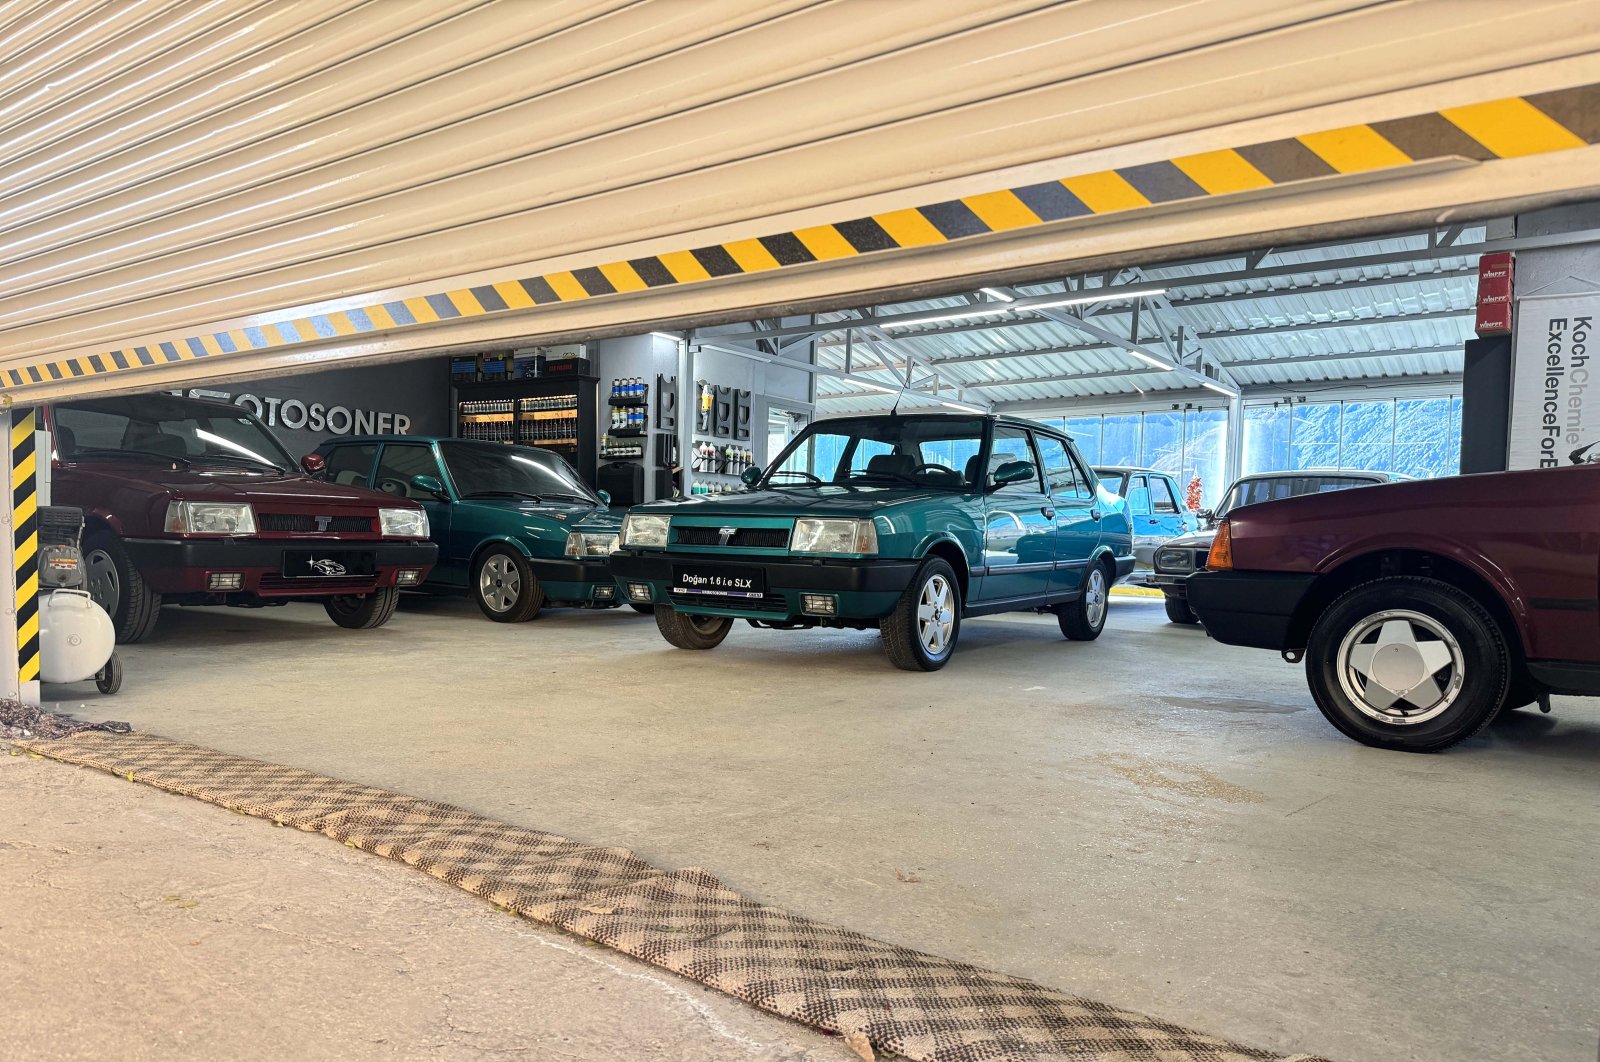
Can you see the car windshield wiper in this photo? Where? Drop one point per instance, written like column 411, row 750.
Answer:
column 106, row 451
column 254, row 461
column 503, row 494
column 901, row 476
column 576, row 497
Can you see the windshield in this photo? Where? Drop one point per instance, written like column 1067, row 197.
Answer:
column 1274, row 488
column 919, row 451
column 163, row 428
column 488, row 471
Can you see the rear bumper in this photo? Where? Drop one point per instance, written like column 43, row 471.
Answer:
column 865, row 589
column 184, row 566
column 1253, row 609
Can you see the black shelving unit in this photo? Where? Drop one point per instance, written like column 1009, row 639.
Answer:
column 556, row 413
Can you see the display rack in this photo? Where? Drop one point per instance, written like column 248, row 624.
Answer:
column 556, row 413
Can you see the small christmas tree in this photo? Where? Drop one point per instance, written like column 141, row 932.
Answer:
column 1193, row 494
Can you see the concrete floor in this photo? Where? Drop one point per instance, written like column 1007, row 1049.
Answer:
column 1152, row 820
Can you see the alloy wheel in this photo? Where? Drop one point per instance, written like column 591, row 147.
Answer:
column 1094, row 597
column 105, row 587
column 1401, row 667
column 499, row 583
column 935, row 616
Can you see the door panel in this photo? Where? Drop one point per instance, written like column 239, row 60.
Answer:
column 1076, row 520
column 1019, row 527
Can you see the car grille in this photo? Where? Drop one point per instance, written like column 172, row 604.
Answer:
column 355, row 584
column 770, row 603
column 743, row 537
column 307, row 522
column 1200, row 558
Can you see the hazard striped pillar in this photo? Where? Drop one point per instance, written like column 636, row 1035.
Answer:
column 23, row 566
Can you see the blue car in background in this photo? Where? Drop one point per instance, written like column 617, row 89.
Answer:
column 1155, row 511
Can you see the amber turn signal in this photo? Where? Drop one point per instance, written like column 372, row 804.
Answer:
column 1221, row 558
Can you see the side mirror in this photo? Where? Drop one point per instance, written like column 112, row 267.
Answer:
column 605, row 496
column 1013, row 472
column 313, row 464
column 751, row 476
column 1207, row 515
column 430, row 485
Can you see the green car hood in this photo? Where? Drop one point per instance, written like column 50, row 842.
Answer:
column 856, row 500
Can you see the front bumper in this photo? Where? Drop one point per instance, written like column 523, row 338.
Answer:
column 1254, row 609
column 1170, row 583
column 577, row 580
column 865, row 589
column 175, row 566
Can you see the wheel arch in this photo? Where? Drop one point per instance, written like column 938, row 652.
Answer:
column 496, row 540
column 1382, row 563
column 947, row 548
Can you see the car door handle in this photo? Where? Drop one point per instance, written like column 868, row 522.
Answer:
column 1049, row 512
column 1094, row 514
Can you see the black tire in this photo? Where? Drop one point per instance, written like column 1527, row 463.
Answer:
column 504, row 586
column 1178, row 610
column 1457, row 698
column 910, row 645
column 1085, row 618
column 647, row 610
column 116, row 586
column 109, row 678
column 691, row 632
column 364, row 613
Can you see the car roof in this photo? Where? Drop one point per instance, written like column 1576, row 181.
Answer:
column 344, row 440
column 1348, row 473
column 1131, row 470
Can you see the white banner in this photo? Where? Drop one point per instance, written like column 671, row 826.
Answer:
column 1555, row 393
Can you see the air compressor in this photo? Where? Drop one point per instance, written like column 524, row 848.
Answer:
column 77, row 640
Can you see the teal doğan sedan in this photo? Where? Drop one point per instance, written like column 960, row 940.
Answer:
column 903, row 523
column 517, row 528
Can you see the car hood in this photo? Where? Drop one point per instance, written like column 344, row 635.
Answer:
column 855, row 500
column 225, row 483
column 1193, row 539
column 580, row 516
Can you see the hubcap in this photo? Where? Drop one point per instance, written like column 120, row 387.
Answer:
column 104, row 586
column 499, row 583
column 1094, row 598
column 936, row 616
column 705, row 624
column 1401, row 667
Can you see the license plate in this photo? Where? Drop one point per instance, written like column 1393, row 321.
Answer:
column 719, row 580
column 327, row 564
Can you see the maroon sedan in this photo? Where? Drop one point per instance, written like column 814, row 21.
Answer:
column 1422, row 609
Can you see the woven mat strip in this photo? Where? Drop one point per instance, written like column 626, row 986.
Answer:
column 873, row 993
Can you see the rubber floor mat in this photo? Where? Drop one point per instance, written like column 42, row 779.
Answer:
column 878, row 996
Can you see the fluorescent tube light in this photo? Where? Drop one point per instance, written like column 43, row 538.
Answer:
column 1219, row 389
column 1111, row 295
column 1154, row 362
column 962, row 406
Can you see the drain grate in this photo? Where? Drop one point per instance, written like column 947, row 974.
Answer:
column 871, row 992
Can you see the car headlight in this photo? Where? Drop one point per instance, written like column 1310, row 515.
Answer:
column 590, row 544
column 1176, row 560
column 210, row 518
column 643, row 530
column 403, row 523
column 834, row 536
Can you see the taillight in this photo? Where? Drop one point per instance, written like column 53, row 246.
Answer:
column 1221, row 558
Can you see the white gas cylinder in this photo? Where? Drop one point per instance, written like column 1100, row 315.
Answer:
column 75, row 637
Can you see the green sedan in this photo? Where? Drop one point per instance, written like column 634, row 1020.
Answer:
column 904, row 524
column 517, row 528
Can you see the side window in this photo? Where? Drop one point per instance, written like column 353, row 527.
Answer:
column 350, row 466
column 400, row 464
column 1062, row 477
column 1138, row 496
column 1161, row 495
column 1011, row 444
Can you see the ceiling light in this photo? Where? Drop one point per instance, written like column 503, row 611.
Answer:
column 1155, row 362
column 1109, row 295
column 1219, row 389
column 877, row 387
column 667, row 335
column 962, row 406
column 996, row 294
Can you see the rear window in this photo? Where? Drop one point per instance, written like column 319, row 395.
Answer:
column 1276, row 488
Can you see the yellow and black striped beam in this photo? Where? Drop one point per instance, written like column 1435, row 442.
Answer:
column 1494, row 129
column 25, row 541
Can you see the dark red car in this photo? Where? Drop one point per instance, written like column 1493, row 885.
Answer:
column 197, row 503
column 1422, row 609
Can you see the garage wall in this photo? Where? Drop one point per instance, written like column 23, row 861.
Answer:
column 178, row 171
